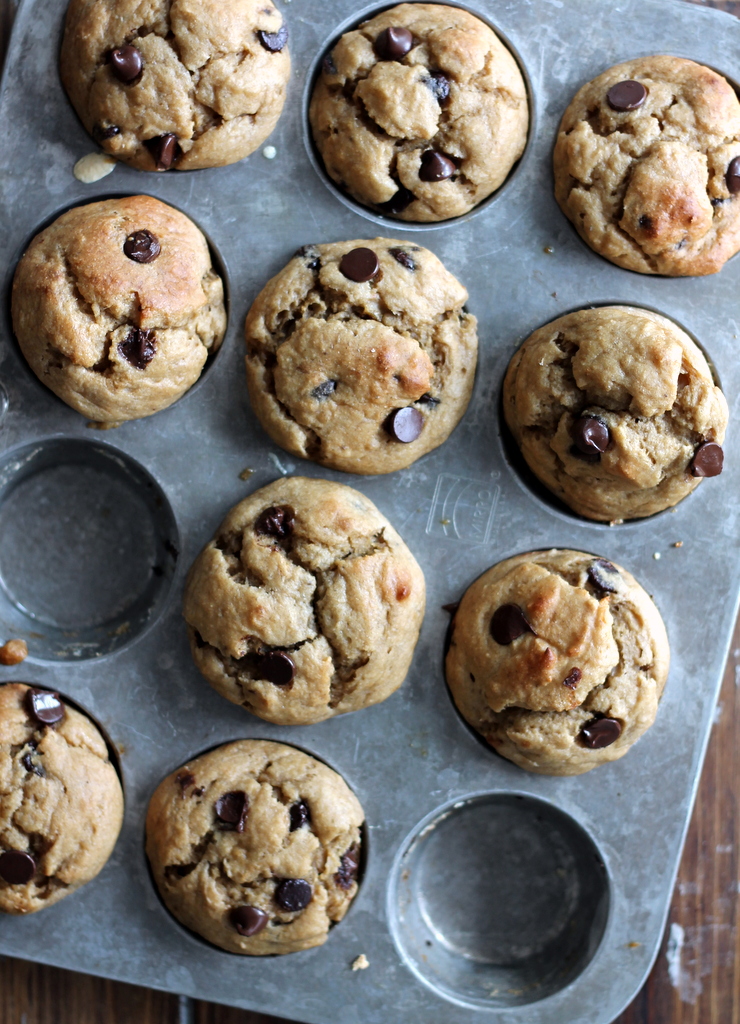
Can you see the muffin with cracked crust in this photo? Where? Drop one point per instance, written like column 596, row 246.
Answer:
column 647, row 166
column 420, row 112
column 615, row 411
column 360, row 355
column 558, row 659
column 305, row 605
column 116, row 307
column 61, row 804
column 256, row 847
column 181, row 84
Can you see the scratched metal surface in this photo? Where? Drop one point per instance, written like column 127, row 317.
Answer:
column 460, row 509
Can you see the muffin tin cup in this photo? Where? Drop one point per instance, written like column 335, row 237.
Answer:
column 432, row 793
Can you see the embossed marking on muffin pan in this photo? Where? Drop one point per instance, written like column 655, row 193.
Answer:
column 460, row 509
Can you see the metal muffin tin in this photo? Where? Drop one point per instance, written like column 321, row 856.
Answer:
column 488, row 894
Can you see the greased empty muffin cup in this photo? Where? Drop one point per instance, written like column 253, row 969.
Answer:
column 615, row 410
column 61, row 806
column 191, row 84
column 116, row 307
column 558, row 659
column 420, row 112
column 647, row 166
column 361, row 355
column 256, row 846
column 306, row 604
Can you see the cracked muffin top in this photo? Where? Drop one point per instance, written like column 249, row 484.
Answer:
column 256, row 846
column 558, row 658
column 116, row 307
column 61, row 804
column 177, row 84
column 305, row 605
column 360, row 354
column 647, row 166
column 420, row 112
column 615, row 411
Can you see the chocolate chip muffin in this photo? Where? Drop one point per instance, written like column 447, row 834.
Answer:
column 615, row 411
column 256, row 846
column 647, row 166
column 360, row 355
column 420, row 112
column 116, row 307
column 305, row 605
column 558, row 659
column 61, row 804
column 181, row 84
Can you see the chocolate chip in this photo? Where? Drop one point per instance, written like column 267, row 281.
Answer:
column 600, row 732
column 645, row 222
column 604, row 576
column 402, row 257
column 232, row 809
column 328, row 66
column 708, row 460
column 44, row 706
column 718, row 202
column 398, row 203
column 590, row 435
column 326, row 388
column 627, row 95
column 359, row 264
column 436, row 166
column 293, row 894
column 163, row 149
column 573, row 679
column 310, row 253
column 126, row 63
column 276, row 521
column 138, row 348
column 440, row 86
column 732, row 178
column 300, row 815
column 277, row 668
column 274, row 42
column 428, row 399
column 103, row 132
column 508, row 624
column 249, row 920
column 17, row 868
column 349, row 865
column 393, row 43
column 184, row 780
column 405, row 424
column 142, row 247
column 29, row 764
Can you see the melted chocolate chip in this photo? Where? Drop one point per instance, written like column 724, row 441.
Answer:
column 17, row 868
column 232, row 810
column 600, row 732
column 645, row 222
column 126, row 63
column 627, row 95
column 604, row 576
column 349, row 865
column 103, row 132
column 328, row 66
column 436, row 166
column 44, row 706
column 428, row 399
column 276, row 521
column 274, row 42
column 326, row 388
column 184, row 780
column 30, row 765
column 249, row 920
column 590, row 435
column 293, row 894
column 732, row 178
column 277, row 668
column 300, row 815
column 163, row 149
column 311, row 254
column 393, row 43
column 402, row 257
column 142, row 247
column 440, row 86
column 508, row 624
column 359, row 265
column 138, row 348
column 573, row 678
column 398, row 203
column 708, row 460
column 405, row 424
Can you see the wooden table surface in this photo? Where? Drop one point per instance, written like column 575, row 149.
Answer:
column 695, row 980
